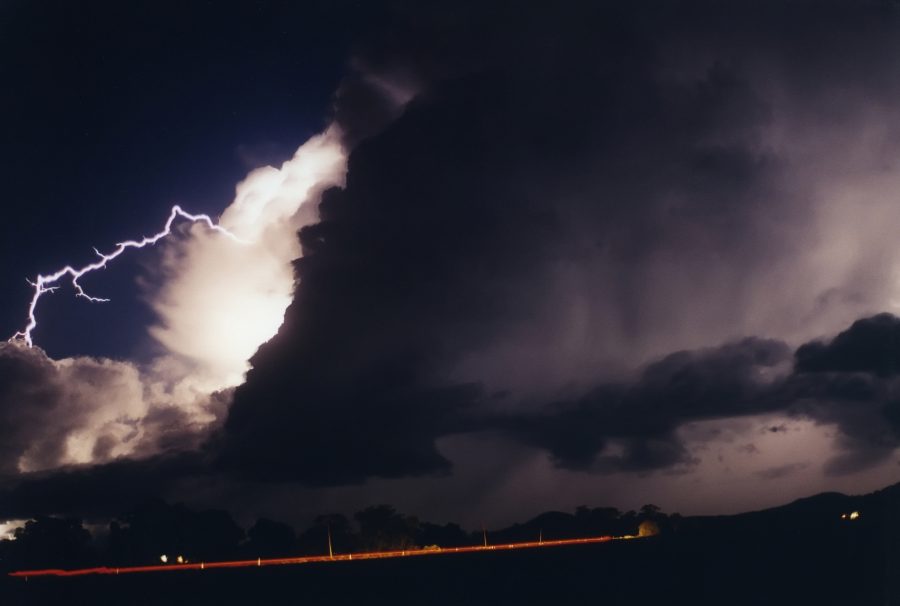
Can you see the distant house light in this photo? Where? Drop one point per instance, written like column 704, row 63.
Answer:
column 164, row 558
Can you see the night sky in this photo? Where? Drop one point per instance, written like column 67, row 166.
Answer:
column 505, row 258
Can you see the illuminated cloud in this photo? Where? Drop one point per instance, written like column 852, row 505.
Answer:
column 72, row 411
column 83, row 410
column 219, row 302
column 8, row 528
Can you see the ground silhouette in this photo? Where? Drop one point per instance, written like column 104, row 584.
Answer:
column 812, row 551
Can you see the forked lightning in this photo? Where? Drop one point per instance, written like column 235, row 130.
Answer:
column 47, row 283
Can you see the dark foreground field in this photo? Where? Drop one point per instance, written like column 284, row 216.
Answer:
column 804, row 553
column 852, row 565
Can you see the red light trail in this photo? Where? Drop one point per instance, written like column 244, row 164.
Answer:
column 346, row 557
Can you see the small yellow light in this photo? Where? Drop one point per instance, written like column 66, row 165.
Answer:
column 854, row 515
column 843, row 516
column 164, row 558
column 180, row 560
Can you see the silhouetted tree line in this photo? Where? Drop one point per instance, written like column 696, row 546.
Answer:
column 155, row 529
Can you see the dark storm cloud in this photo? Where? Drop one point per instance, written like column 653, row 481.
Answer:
column 641, row 417
column 636, row 423
column 333, row 434
column 870, row 345
column 628, row 426
column 551, row 166
column 538, row 203
column 449, row 223
column 850, row 382
column 846, row 383
column 103, row 490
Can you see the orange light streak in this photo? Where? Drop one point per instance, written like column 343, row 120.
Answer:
column 344, row 557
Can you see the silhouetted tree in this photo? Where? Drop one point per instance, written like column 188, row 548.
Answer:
column 650, row 511
column 382, row 528
column 268, row 538
column 214, row 535
column 628, row 523
column 662, row 521
column 448, row 535
column 314, row 540
column 48, row 542
column 156, row 528
column 597, row 521
column 6, row 553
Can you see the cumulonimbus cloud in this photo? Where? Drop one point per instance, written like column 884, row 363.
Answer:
column 217, row 302
column 555, row 209
column 220, row 302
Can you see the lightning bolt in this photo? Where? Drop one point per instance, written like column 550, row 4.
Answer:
column 44, row 284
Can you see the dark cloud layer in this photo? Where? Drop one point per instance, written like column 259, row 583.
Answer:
column 642, row 417
column 454, row 220
column 628, row 426
column 870, row 345
column 547, row 157
column 98, row 491
column 538, row 203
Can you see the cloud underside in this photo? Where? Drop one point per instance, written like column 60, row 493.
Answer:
column 630, row 426
column 584, row 243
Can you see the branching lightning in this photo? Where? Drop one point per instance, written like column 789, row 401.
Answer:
column 47, row 283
